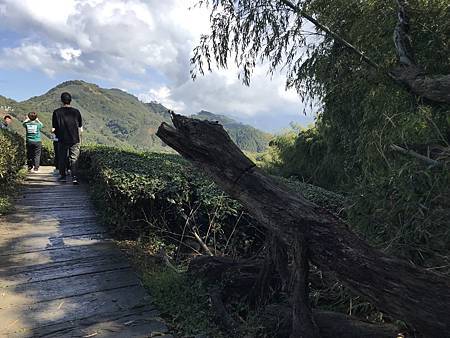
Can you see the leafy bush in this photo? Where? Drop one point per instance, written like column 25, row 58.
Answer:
column 12, row 159
column 12, row 155
column 406, row 213
column 152, row 194
column 184, row 300
column 148, row 195
column 48, row 154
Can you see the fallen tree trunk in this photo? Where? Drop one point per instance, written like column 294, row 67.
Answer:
column 330, row 324
column 419, row 297
column 238, row 277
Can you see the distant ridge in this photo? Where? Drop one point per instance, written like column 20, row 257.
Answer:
column 117, row 118
column 246, row 137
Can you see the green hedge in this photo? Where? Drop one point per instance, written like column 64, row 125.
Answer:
column 143, row 194
column 146, row 194
column 12, row 155
column 48, row 154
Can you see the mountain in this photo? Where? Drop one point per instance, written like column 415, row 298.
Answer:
column 114, row 117
column 246, row 137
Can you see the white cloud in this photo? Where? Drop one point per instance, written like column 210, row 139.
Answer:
column 162, row 95
column 70, row 54
column 35, row 55
column 140, row 45
column 123, row 35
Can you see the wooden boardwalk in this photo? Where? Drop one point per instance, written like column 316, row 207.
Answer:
column 60, row 276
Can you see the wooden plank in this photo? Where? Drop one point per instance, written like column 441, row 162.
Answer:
column 55, row 191
column 60, row 215
column 57, row 255
column 45, row 210
column 126, row 324
column 57, row 270
column 40, row 200
column 62, row 211
column 49, row 316
column 60, row 276
column 44, row 199
column 66, row 287
column 37, row 243
column 16, row 219
column 51, row 228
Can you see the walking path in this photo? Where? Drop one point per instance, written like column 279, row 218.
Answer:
column 60, row 276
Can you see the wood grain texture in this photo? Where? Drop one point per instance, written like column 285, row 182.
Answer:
column 61, row 276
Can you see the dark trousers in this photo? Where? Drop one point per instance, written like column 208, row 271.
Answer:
column 56, row 151
column 33, row 154
column 68, row 153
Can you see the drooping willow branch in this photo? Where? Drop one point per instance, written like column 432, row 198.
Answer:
column 262, row 30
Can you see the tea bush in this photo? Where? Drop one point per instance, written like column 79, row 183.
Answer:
column 12, row 160
column 144, row 195
column 153, row 194
column 12, row 155
column 48, row 154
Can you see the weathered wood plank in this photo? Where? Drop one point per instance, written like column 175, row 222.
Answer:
column 35, row 242
column 51, row 229
column 60, row 276
column 49, row 201
column 51, row 316
column 14, row 219
column 57, row 255
column 66, row 287
column 43, row 272
column 124, row 324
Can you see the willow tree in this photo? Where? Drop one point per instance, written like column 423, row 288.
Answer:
column 278, row 32
column 294, row 36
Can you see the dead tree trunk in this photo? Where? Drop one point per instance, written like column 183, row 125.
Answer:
column 419, row 297
column 240, row 276
column 303, row 324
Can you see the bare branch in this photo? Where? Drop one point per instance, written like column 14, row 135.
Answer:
column 418, row 156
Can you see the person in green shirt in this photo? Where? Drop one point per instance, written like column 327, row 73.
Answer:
column 33, row 139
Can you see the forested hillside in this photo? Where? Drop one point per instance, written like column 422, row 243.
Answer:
column 114, row 117
column 247, row 137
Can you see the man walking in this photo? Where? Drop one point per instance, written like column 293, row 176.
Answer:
column 67, row 124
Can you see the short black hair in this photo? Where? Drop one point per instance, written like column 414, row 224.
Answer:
column 32, row 116
column 66, row 98
column 7, row 117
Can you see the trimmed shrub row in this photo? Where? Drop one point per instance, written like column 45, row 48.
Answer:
column 147, row 194
column 12, row 155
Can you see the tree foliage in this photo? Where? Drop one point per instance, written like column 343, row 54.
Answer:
column 12, row 156
column 399, row 203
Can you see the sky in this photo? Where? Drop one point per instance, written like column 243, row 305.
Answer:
column 140, row 46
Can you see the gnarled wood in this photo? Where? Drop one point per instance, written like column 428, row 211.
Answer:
column 434, row 88
column 239, row 276
column 303, row 323
column 331, row 324
column 407, row 292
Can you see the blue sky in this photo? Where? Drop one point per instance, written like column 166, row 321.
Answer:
column 139, row 46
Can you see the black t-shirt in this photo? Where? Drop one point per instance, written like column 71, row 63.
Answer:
column 66, row 121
